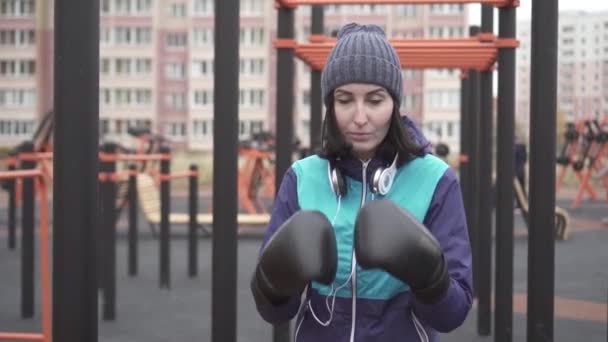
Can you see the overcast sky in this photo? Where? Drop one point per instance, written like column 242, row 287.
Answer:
column 525, row 9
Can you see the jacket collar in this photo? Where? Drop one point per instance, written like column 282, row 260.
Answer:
column 353, row 167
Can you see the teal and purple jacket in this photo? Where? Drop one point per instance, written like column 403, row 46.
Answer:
column 370, row 304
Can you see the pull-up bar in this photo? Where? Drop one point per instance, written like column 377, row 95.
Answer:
column 296, row 3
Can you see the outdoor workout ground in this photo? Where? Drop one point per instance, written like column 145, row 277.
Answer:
column 147, row 313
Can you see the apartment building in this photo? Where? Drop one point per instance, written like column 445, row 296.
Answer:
column 582, row 66
column 18, row 77
column 156, row 67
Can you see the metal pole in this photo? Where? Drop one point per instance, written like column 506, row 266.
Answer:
column 75, row 143
column 108, row 219
column 463, row 164
column 193, row 209
column 505, row 171
column 133, row 231
column 473, row 213
column 12, row 207
column 165, row 228
column 316, row 102
column 225, row 165
column 541, row 246
column 484, row 247
column 284, row 119
column 27, row 238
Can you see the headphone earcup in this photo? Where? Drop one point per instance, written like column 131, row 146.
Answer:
column 386, row 180
column 336, row 181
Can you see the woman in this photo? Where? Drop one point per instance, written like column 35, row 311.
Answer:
column 372, row 273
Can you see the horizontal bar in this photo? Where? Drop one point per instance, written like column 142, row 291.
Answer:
column 175, row 175
column 105, row 157
column 20, row 174
column 21, row 337
column 294, row 3
column 35, row 156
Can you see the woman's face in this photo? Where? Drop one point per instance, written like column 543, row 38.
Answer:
column 363, row 113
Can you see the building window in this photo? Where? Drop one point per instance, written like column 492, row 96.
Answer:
column 132, row 35
column 17, row 68
column 17, row 8
column 202, row 129
column 176, row 129
column 17, row 37
column 175, row 101
column 176, row 40
column 202, row 36
column 177, row 10
column 252, row 7
column 17, row 98
column 203, row 7
column 203, row 98
column 175, row 71
column 16, row 128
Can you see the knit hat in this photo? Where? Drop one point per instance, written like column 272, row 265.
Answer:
column 362, row 54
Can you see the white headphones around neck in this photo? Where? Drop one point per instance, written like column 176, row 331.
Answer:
column 381, row 181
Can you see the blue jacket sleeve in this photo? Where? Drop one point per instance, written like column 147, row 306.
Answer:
column 447, row 222
column 285, row 205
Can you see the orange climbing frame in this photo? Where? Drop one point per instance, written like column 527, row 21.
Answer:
column 479, row 52
column 296, row 3
column 45, row 336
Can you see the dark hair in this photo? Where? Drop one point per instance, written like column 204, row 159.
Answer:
column 397, row 139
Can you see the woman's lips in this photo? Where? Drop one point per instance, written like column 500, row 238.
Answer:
column 355, row 136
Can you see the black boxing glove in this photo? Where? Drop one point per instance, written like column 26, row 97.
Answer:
column 302, row 250
column 392, row 239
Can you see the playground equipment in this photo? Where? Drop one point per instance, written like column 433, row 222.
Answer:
column 45, row 335
column 584, row 151
column 562, row 219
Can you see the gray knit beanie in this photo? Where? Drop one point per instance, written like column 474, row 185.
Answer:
column 362, row 54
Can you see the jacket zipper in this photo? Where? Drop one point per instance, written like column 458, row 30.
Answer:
column 354, row 262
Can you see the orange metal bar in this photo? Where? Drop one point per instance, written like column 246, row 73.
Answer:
column 45, row 336
column 10, row 161
column 45, row 263
column 21, row 337
column 284, row 43
column 479, row 52
column 295, row 3
column 36, row 156
column 106, row 157
column 20, row 174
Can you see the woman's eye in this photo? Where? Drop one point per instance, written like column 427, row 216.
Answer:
column 343, row 101
column 375, row 102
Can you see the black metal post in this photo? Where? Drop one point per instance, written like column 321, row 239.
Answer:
column 27, row 237
column 108, row 219
column 133, row 230
column 484, row 247
column 543, row 112
column 193, row 210
column 463, row 164
column 12, row 207
column 473, row 214
column 505, row 171
column 165, row 228
column 75, row 170
column 284, row 119
column 316, row 102
column 225, row 166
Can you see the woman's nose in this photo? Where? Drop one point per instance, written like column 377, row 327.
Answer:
column 360, row 116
